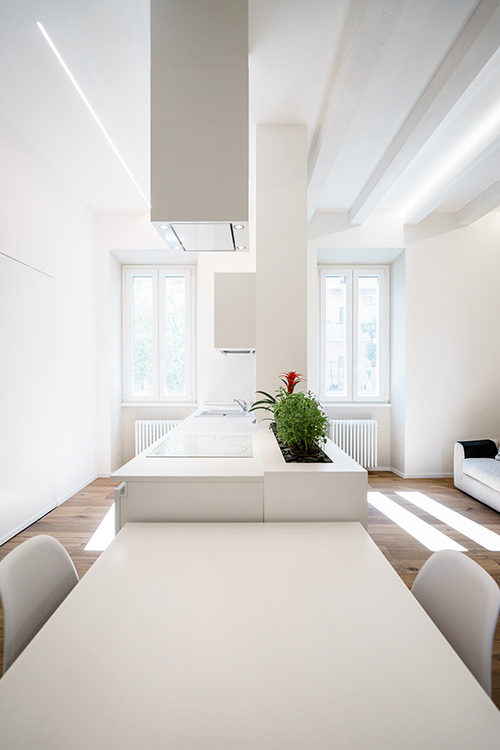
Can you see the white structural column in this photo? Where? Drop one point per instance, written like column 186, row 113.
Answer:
column 281, row 252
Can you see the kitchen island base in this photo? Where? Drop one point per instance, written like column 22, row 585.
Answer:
column 202, row 500
column 259, row 488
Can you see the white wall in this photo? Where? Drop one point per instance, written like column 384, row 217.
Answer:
column 445, row 357
column 130, row 238
column 331, row 239
column 27, row 376
column 220, row 378
column 452, row 351
column 45, row 226
column 398, row 364
column 281, row 242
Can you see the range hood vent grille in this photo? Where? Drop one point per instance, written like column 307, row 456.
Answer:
column 206, row 237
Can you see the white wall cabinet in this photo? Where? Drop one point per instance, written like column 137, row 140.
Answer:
column 234, row 310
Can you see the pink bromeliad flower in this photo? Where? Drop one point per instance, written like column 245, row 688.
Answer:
column 290, row 379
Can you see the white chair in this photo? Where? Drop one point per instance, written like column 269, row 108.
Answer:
column 34, row 579
column 463, row 600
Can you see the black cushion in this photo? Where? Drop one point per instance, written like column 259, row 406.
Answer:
column 479, row 448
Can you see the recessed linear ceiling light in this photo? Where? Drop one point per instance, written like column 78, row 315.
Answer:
column 89, row 107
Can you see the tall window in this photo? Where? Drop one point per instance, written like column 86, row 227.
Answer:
column 158, row 327
column 354, row 336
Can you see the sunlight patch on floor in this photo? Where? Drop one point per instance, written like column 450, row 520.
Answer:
column 104, row 534
column 423, row 532
column 486, row 538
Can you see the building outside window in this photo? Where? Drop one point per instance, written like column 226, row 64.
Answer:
column 158, row 333
column 354, row 333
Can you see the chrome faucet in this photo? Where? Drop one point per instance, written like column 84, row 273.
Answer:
column 242, row 403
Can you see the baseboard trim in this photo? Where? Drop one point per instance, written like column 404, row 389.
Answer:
column 24, row 525
column 446, row 475
column 76, row 490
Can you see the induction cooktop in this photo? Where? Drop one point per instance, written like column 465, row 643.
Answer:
column 178, row 445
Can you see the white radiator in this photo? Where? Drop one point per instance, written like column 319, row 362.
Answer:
column 357, row 437
column 147, row 431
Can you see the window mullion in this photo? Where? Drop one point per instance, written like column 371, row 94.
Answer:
column 189, row 323
column 151, row 371
column 351, row 327
column 127, row 368
column 322, row 336
column 366, row 333
column 158, row 349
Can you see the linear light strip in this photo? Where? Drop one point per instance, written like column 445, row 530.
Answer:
column 486, row 538
column 91, row 110
column 423, row 532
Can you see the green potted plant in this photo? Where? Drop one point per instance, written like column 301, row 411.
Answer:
column 301, row 424
column 268, row 403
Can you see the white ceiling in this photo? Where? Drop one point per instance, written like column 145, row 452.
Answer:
column 390, row 91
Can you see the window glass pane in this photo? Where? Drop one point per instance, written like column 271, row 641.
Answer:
column 142, row 335
column 175, row 335
column 335, row 335
column 368, row 333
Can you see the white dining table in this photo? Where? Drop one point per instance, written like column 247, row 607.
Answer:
column 242, row 636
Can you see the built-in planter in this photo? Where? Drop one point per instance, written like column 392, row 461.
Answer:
column 290, row 457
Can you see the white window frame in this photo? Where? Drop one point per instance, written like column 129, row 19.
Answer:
column 158, row 274
column 351, row 364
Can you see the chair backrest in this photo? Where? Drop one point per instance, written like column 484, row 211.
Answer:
column 34, row 579
column 463, row 600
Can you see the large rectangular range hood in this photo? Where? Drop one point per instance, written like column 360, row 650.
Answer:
column 199, row 124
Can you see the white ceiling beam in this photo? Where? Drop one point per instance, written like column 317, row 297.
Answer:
column 368, row 27
column 443, row 188
column 487, row 201
column 474, row 46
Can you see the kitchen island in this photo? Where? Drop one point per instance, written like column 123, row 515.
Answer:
column 227, row 468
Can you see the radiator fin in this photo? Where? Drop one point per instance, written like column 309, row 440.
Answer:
column 357, row 437
column 148, row 431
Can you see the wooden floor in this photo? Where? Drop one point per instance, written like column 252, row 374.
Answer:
column 407, row 555
column 74, row 522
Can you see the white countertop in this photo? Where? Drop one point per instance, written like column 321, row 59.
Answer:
column 272, row 459
column 220, row 467
column 246, row 636
column 266, row 454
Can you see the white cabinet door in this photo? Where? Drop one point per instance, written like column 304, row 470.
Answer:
column 27, row 465
column 234, row 310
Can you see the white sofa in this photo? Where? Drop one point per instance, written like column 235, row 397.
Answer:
column 476, row 469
